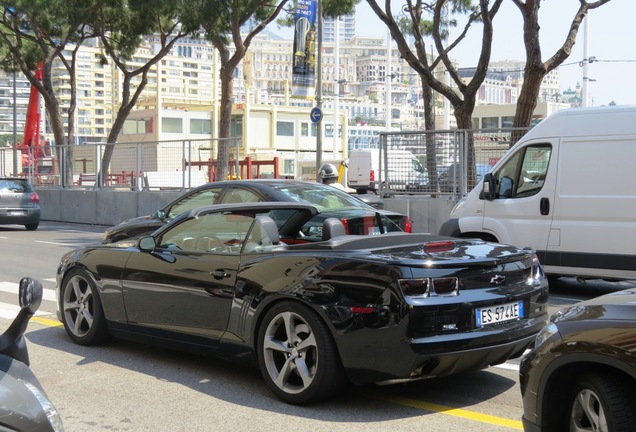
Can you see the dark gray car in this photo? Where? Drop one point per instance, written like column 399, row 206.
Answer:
column 19, row 203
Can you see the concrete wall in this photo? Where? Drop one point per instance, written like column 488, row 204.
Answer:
column 109, row 207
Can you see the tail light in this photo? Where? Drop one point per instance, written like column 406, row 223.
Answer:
column 438, row 246
column 408, row 226
column 35, row 198
column 372, row 175
column 430, row 287
column 345, row 222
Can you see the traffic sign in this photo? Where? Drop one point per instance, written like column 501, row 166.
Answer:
column 315, row 115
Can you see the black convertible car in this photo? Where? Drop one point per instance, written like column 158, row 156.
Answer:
column 358, row 217
column 312, row 315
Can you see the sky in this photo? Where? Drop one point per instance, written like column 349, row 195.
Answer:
column 611, row 39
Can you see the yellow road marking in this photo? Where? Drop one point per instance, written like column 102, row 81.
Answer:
column 456, row 412
column 46, row 321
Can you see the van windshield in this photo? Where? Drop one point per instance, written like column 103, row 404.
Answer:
column 417, row 166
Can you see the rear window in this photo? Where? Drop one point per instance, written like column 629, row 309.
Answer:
column 15, row 185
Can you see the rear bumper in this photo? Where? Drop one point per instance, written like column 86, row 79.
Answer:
column 441, row 355
column 28, row 217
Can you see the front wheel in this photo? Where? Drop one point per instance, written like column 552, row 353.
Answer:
column 297, row 356
column 601, row 402
column 82, row 312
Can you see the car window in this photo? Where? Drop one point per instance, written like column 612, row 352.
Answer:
column 239, row 195
column 324, row 198
column 524, row 173
column 194, row 200
column 212, row 232
column 15, row 185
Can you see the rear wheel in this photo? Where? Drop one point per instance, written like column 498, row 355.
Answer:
column 82, row 312
column 297, row 356
column 32, row 226
column 601, row 402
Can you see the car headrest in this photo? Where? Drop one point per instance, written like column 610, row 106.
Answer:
column 332, row 227
column 265, row 231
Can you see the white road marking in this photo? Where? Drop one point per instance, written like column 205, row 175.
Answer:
column 508, row 366
column 12, row 287
column 10, row 311
column 55, row 243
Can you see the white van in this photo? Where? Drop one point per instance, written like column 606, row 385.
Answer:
column 566, row 189
column 403, row 171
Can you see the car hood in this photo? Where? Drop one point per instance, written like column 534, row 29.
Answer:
column 616, row 306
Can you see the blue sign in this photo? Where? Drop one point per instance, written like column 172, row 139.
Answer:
column 315, row 115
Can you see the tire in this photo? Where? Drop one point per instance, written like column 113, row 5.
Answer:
column 32, row 226
column 602, row 402
column 297, row 356
column 82, row 312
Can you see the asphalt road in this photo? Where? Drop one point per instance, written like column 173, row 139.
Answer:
column 127, row 387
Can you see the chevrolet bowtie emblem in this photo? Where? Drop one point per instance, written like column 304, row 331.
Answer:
column 498, row 280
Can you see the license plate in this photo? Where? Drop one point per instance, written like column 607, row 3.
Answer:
column 498, row 314
column 16, row 213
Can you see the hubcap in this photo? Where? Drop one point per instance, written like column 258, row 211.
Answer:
column 290, row 352
column 78, row 306
column 588, row 413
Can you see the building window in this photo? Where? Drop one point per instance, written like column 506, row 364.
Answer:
column 285, row 128
column 200, row 126
column 171, row 125
column 138, row 126
column 490, row 122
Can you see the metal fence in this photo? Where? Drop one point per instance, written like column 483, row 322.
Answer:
column 136, row 166
column 451, row 162
column 188, row 163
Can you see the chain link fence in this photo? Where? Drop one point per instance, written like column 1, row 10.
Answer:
column 438, row 163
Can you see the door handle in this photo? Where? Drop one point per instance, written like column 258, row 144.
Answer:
column 544, row 206
column 220, row 274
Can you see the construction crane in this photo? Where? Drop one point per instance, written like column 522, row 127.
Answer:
column 37, row 157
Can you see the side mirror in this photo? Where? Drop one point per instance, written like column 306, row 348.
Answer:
column 160, row 214
column 147, row 244
column 12, row 341
column 488, row 191
column 30, row 294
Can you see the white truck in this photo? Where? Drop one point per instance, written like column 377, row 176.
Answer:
column 567, row 189
column 401, row 171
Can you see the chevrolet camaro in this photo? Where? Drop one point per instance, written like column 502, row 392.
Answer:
column 313, row 313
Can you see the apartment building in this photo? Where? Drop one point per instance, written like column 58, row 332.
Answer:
column 180, row 99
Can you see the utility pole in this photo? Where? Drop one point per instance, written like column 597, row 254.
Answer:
column 387, row 91
column 319, row 92
column 336, row 105
column 585, row 91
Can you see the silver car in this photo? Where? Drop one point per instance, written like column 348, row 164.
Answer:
column 19, row 203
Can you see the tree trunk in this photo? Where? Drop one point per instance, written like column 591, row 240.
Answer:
column 429, row 125
column 223, row 156
column 463, row 116
column 527, row 101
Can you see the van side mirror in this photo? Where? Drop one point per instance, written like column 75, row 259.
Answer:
column 488, row 191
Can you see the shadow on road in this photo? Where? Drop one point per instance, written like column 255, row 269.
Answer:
column 244, row 386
